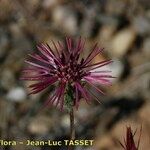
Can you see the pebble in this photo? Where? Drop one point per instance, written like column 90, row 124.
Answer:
column 117, row 68
column 17, row 94
column 103, row 143
column 120, row 5
column 20, row 46
column 65, row 122
column 88, row 22
column 19, row 39
column 40, row 125
column 141, row 25
column 4, row 42
column 146, row 47
column 122, row 41
column 5, row 10
column 144, row 112
column 65, row 19
column 33, row 3
column 7, row 79
column 49, row 3
column 107, row 32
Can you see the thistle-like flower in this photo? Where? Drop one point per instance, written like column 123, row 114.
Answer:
column 68, row 71
column 129, row 141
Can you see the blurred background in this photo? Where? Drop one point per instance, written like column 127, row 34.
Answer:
column 122, row 27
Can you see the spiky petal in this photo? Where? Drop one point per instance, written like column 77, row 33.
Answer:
column 129, row 143
column 64, row 68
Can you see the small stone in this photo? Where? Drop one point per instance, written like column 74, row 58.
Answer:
column 117, row 68
column 122, row 41
column 34, row 3
column 7, row 79
column 104, row 143
column 107, row 32
column 17, row 94
column 5, row 10
column 141, row 24
column 146, row 47
column 40, row 125
column 144, row 113
column 88, row 22
column 120, row 5
column 65, row 19
column 4, row 42
column 49, row 3
column 65, row 121
column 19, row 40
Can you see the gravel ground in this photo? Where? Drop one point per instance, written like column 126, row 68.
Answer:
column 121, row 27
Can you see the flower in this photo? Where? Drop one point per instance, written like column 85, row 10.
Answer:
column 129, row 142
column 65, row 68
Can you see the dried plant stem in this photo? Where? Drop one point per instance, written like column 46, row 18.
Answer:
column 72, row 128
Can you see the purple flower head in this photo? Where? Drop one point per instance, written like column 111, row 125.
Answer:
column 129, row 143
column 67, row 70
